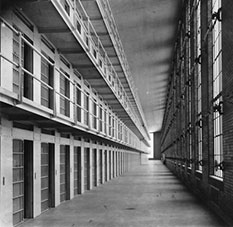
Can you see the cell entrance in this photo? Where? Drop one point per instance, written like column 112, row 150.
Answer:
column 64, row 173
column 47, row 176
column 22, row 180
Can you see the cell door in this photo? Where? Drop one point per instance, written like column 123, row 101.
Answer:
column 77, row 170
column 113, row 164
column 122, row 163
column 47, row 176
column 22, row 180
column 105, row 166
column 119, row 163
column 110, row 165
column 117, row 169
column 86, row 168
column 100, row 164
column 94, row 167
column 64, row 173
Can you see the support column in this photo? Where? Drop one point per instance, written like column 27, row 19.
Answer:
column 6, row 173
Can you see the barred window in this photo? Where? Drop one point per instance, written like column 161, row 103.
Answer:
column 65, row 94
column 217, row 89
column 16, row 46
column 109, row 124
column 79, row 102
column 100, row 118
column 113, row 126
column 47, row 78
column 86, row 108
column 105, row 121
column 199, row 85
column 94, row 113
column 189, row 89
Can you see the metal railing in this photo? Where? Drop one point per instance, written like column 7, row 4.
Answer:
column 71, row 99
column 120, row 52
column 100, row 57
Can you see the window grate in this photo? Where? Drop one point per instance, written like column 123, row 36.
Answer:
column 217, row 90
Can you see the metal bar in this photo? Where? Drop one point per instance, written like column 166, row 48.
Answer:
column 37, row 51
column 65, row 97
column 63, row 74
column 34, row 77
column 7, row 59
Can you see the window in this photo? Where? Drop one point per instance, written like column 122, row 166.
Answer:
column 109, row 124
column 113, row 126
column 64, row 94
column 67, row 7
column 100, row 118
column 78, row 102
column 113, row 80
column 78, row 26
column 217, row 90
column 189, row 89
column 87, row 40
column 100, row 62
column 198, row 89
column 94, row 52
column 16, row 46
column 86, row 108
column 27, row 63
column 94, row 114
column 105, row 121
column 119, row 130
column 126, row 134
column 47, row 78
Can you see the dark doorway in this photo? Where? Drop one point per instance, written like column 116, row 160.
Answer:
column 77, row 170
column 64, row 173
column 106, row 166
column 47, row 176
column 86, row 168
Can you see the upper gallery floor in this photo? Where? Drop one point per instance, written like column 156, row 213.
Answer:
column 64, row 74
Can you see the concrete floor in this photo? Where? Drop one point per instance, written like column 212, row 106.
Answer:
column 147, row 196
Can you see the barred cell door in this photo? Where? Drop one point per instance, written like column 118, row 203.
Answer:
column 110, row 165
column 117, row 169
column 113, row 163
column 118, row 163
column 100, row 163
column 47, row 176
column 105, row 165
column 77, row 170
column 86, row 168
column 120, row 159
column 94, row 167
column 22, row 180
column 64, row 173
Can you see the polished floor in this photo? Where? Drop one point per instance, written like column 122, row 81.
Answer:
column 147, row 196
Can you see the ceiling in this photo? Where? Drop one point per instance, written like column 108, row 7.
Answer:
column 147, row 29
